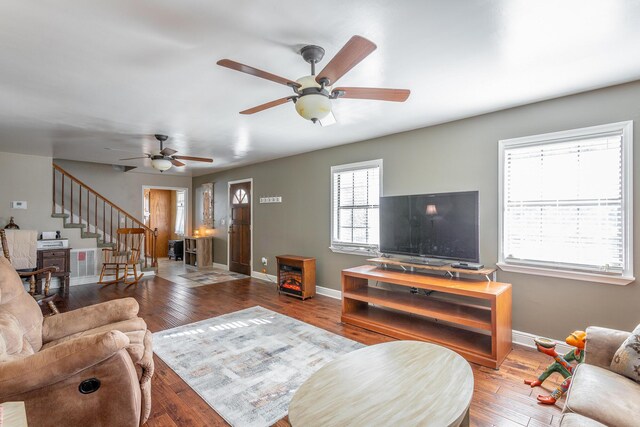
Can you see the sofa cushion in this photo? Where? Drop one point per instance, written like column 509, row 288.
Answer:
column 626, row 361
column 15, row 300
column 604, row 396
column 577, row 420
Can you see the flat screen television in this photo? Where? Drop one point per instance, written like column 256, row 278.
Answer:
column 440, row 226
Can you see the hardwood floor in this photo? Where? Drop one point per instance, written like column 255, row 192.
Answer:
column 500, row 397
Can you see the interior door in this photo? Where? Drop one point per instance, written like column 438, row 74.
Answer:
column 160, row 218
column 240, row 228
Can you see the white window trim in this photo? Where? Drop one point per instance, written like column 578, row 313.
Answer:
column 352, row 249
column 627, row 187
column 184, row 212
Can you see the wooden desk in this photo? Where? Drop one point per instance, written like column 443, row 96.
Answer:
column 60, row 258
column 401, row 383
column 478, row 326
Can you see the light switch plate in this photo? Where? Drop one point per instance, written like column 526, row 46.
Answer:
column 276, row 199
column 21, row 204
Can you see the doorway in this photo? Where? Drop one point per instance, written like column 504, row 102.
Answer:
column 240, row 226
column 165, row 210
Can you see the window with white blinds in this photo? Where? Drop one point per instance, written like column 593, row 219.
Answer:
column 355, row 204
column 566, row 201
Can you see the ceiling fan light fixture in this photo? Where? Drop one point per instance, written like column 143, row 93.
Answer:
column 314, row 103
column 313, row 107
column 161, row 164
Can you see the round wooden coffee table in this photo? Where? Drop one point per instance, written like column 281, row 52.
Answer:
column 400, row 383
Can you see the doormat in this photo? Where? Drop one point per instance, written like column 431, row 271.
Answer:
column 248, row 364
column 210, row 277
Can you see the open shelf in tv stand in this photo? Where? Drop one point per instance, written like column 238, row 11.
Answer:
column 479, row 332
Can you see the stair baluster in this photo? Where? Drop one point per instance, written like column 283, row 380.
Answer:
column 89, row 224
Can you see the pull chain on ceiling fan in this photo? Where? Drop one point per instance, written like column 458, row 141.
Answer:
column 166, row 156
column 313, row 93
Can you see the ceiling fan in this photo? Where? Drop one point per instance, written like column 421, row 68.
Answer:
column 313, row 93
column 165, row 158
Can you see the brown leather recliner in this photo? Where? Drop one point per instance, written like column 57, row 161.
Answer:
column 90, row 366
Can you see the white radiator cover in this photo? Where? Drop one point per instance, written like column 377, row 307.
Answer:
column 84, row 263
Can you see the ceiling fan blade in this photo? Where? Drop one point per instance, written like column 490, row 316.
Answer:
column 356, row 49
column 329, row 120
column 135, row 158
column 168, row 151
column 380, row 94
column 195, row 159
column 267, row 105
column 255, row 72
column 177, row 163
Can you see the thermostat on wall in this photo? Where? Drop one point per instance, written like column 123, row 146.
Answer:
column 19, row 204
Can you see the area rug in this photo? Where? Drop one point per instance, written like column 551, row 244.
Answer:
column 210, row 277
column 247, row 365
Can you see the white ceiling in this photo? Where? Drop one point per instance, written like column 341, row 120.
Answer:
column 82, row 79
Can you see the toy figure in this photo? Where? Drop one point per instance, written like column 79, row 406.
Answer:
column 561, row 365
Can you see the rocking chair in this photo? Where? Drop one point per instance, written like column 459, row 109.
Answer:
column 122, row 262
column 44, row 298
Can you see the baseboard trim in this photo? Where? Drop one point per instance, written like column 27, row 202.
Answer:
column 526, row 339
column 220, row 266
column 264, row 276
column 88, row 280
column 328, row 292
column 74, row 281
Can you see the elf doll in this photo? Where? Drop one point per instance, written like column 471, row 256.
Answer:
column 562, row 364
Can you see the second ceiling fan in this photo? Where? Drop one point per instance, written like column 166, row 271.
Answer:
column 166, row 157
column 313, row 93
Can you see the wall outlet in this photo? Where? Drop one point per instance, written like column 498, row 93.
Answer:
column 264, row 261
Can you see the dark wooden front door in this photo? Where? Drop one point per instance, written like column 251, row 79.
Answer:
column 240, row 228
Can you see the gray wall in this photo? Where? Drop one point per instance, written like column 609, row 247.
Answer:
column 24, row 177
column 456, row 156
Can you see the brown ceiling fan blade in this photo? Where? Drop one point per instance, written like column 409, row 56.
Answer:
column 136, row 158
column 255, row 72
column 177, row 163
column 267, row 105
column 194, row 159
column 356, row 49
column 168, row 151
column 380, row 94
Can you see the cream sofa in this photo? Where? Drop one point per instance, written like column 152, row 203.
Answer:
column 598, row 396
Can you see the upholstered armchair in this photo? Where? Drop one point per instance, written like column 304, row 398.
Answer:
column 90, row 366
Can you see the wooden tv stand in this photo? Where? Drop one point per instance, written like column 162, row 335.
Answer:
column 480, row 332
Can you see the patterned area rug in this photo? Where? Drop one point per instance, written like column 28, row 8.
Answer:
column 210, row 277
column 248, row 364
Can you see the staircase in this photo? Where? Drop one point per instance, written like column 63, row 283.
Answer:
column 97, row 217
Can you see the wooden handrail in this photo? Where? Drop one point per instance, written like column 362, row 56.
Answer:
column 76, row 180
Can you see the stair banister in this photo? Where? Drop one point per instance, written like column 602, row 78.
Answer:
column 150, row 234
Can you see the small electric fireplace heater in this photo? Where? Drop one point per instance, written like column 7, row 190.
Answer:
column 296, row 276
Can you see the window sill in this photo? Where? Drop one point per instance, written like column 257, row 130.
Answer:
column 350, row 250
column 575, row 275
